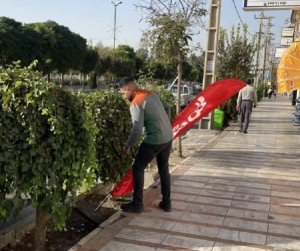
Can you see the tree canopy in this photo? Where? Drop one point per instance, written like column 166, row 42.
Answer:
column 59, row 50
column 236, row 53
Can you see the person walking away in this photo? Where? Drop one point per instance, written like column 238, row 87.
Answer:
column 270, row 91
column 274, row 93
column 247, row 99
column 148, row 112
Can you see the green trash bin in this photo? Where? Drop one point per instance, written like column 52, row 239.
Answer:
column 218, row 119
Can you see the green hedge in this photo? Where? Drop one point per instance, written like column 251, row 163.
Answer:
column 110, row 113
column 46, row 151
column 230, row 112
column 262, row 91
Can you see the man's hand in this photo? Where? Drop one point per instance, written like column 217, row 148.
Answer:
column 126, row 150
column 237, row 107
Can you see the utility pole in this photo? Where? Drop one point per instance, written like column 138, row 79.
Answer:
column 266, row 47
column 211, row 55
column 272, row 66
column 261, row 17
column 266, row 64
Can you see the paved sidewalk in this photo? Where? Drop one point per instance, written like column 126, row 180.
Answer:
column 241, row 192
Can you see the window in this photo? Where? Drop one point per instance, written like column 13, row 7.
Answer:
column 184, row 89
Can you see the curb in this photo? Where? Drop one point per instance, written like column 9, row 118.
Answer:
column 17, row 231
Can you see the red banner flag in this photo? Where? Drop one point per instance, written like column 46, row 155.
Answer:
column 125, row 186
column 205, row 102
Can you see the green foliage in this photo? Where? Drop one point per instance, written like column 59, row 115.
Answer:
column 104, row 64
column 17, row 42
column 148, row 78
column 142, row 57
column 47, row 149
column 230, row 112
column 125, row 51
column 169, row 37
column 235, row 59
column 111, row 115
column 197, row 63
column 187, row 72
column 61, row 49
column 262, row 91
column 160, row 71
column 53, row 45
column 92, row 83
column 117, row 63
column 235, row 53
column 90, row 60
column 123, row 61
column 122, row 66
column 173, row 23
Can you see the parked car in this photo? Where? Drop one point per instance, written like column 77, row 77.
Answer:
column 187, row 94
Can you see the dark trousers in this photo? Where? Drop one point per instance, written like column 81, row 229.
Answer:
column 270, row 94
column 144, row 156
column 245, row 114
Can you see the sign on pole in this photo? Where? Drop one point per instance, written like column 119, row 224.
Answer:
column 279, row 51
column 286, row 41
column 287, row 32
column 255, row 5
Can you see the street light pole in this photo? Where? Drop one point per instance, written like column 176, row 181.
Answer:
column 115, row 20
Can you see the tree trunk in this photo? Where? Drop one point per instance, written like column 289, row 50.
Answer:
column 179, row 72
column 49, row 78
column 40, row 229
column 62, row 79
column 70, row 78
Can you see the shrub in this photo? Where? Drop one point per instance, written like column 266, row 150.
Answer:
column 230, row 112
column 111, row 116
column 261, row 91
column 92, row 83
column 47, row 149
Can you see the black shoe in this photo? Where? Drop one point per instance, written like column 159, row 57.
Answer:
column 240, row 130
column 165, row 206
column 245, row 132
column 132, row 208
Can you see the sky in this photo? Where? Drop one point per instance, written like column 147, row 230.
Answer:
column 94, row 19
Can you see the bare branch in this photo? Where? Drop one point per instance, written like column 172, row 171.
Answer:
column 163, row 4
column 172, row 24
column 183, row 8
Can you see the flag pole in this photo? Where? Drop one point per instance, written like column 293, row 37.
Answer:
column 102, row 202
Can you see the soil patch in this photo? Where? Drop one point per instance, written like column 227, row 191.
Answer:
column 76, row 228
